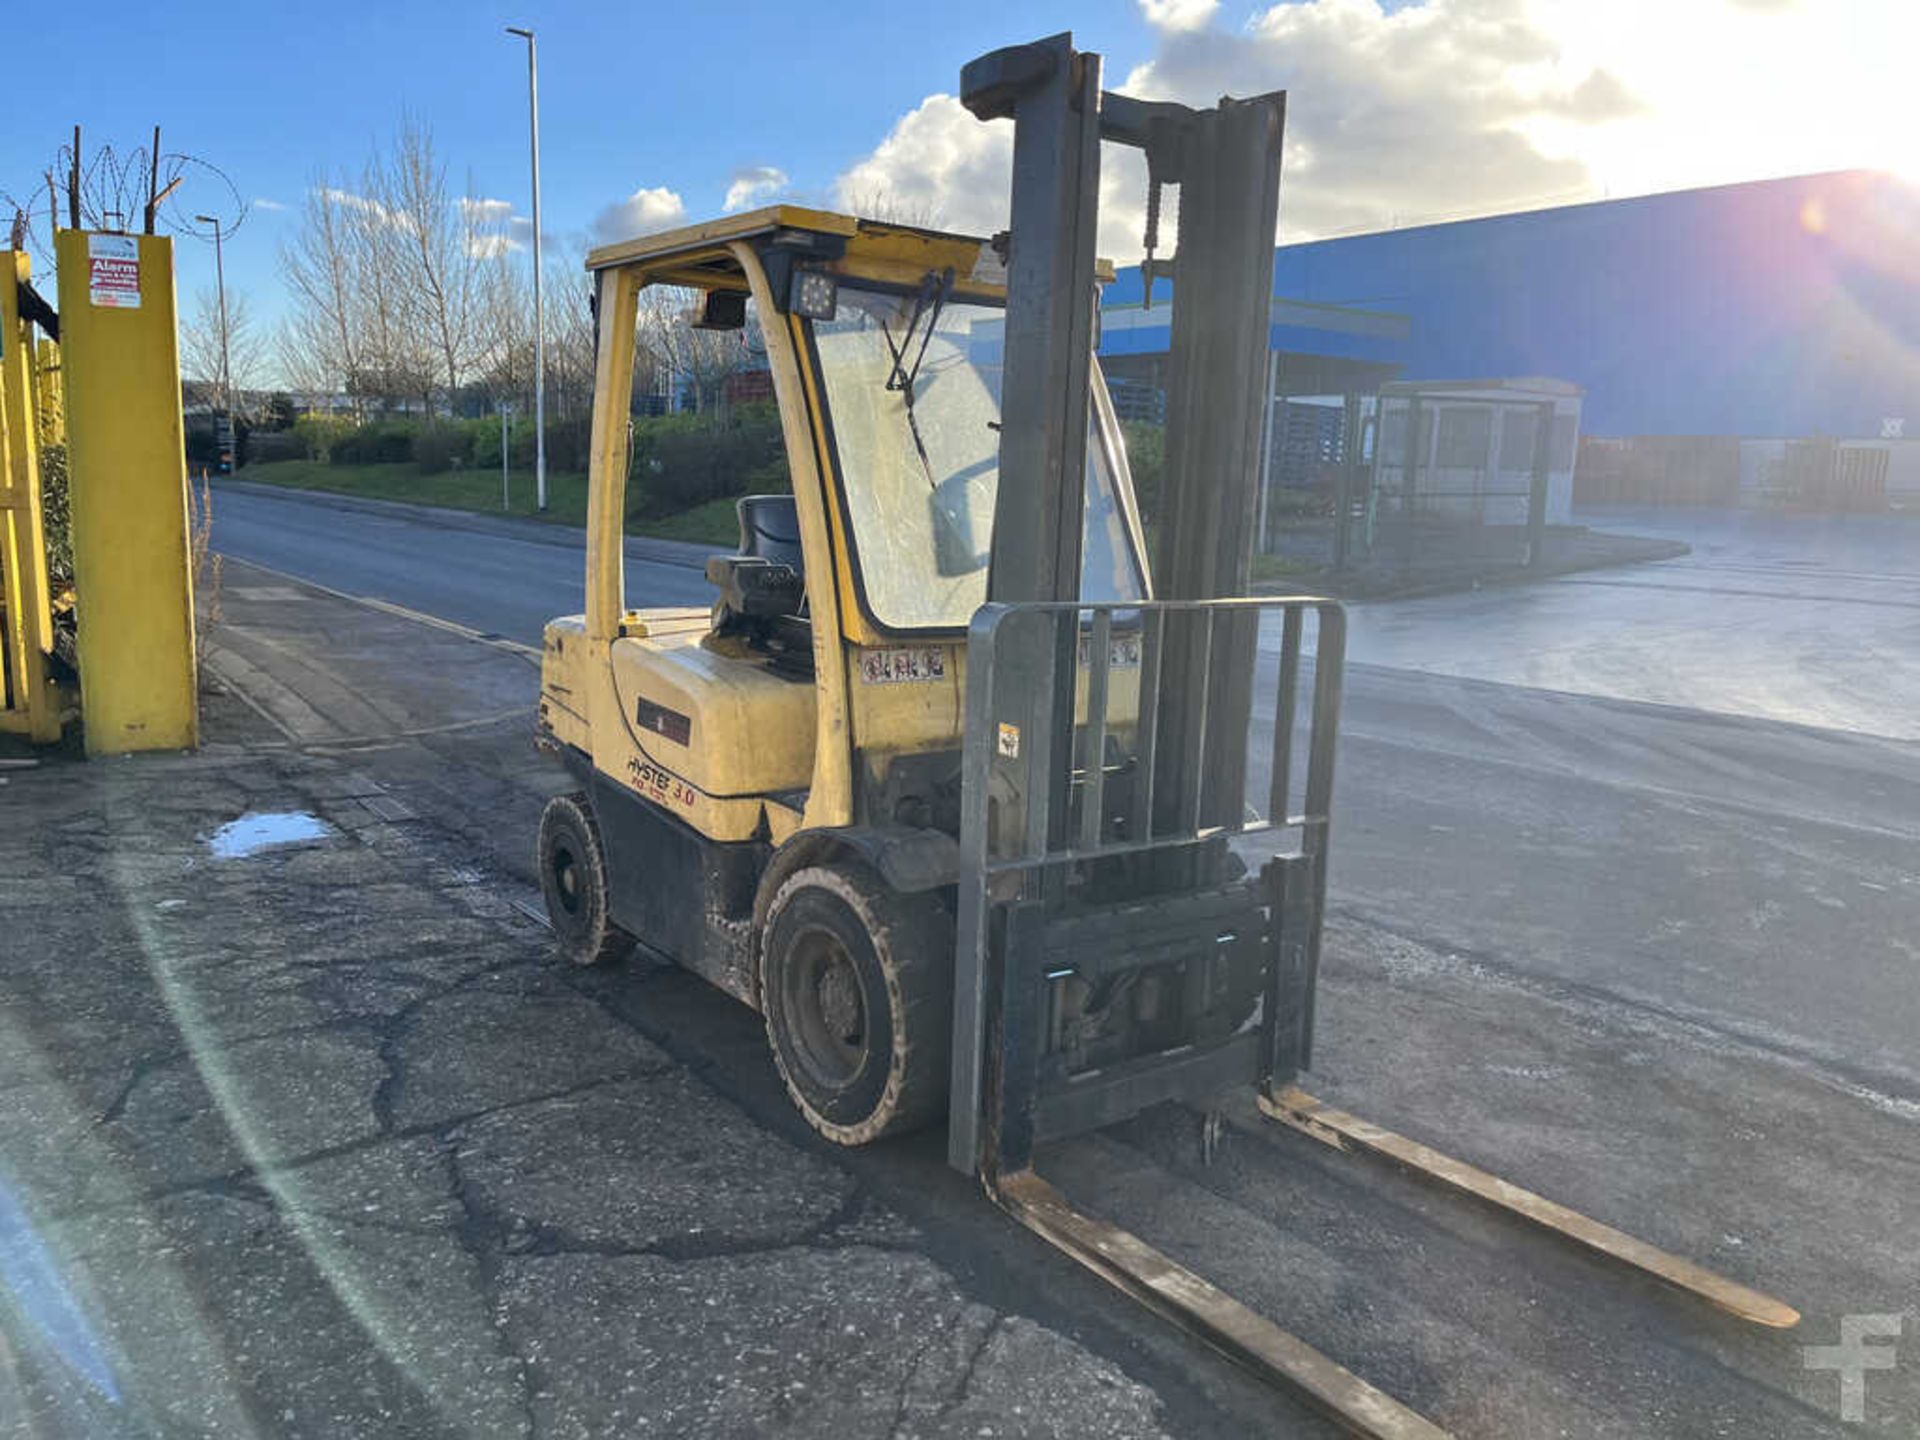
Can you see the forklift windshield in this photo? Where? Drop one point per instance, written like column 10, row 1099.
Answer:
column 912, row 390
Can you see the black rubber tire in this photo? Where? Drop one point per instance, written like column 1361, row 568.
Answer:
column 835, row 934
column 572, row 863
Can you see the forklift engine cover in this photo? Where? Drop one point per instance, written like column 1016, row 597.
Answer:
column 726, row 724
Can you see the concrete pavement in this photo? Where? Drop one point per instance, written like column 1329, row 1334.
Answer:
column 1811, row 619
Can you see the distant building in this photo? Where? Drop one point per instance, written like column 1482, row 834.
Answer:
column 1748, row 318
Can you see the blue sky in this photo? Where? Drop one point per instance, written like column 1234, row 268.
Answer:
column 632, row 95
column 1400, row 111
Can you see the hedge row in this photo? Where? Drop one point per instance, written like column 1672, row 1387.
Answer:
column 679, row 461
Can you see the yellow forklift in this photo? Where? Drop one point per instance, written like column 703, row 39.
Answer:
column 989, row 819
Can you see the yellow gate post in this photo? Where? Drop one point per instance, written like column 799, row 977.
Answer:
column 127, row 471
column 31, row 704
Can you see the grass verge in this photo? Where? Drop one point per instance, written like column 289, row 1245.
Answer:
column 479, row 491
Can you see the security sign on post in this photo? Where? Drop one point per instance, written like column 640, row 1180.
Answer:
column 127, row 484
column 113, row 271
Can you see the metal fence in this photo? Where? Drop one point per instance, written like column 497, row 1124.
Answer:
column 1416, row 478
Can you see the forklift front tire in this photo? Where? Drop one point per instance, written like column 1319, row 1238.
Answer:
column 857, row 989
column 573, row 880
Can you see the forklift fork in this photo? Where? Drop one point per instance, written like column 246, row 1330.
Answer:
column 1292, row 1106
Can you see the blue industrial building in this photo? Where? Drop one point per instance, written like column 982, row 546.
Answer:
column 1773, row 309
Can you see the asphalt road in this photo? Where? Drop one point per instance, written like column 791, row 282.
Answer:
column 487, row 580
column 1671, row 784
column 1628, row 930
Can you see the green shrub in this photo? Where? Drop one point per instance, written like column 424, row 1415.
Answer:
column 56, row 515
column 1147, row 458
column 318, row 434
column 568, row 443
column 1287, row 504
column 440, row 446
column 385, row 442
column 681, row 461
column 267, row 447
column 483, row 443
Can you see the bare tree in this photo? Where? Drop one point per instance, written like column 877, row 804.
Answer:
column 322, row 347
column 436, row 250
column 883, row 202
column 700, row 360
column 570, row 341
column 246, row 348
column 503, row 330
column 390, row 280
column 398, row 353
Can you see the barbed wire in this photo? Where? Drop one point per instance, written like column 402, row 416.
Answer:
column 113, row 192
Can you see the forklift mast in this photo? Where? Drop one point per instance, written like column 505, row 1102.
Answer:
column 1025, row 672
column 1129, row 929
column 1226, row 161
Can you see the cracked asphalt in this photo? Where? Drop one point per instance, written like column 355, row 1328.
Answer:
column 324, row 1140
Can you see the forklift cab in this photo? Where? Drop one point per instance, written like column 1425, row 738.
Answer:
column 833, row 653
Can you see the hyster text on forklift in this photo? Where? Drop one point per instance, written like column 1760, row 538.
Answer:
column 991, row 821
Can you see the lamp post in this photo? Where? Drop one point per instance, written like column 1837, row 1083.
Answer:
column 226, row 356
column 539, row 308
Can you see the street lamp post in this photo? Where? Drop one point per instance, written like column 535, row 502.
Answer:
column 539, row 308
column 226, row 355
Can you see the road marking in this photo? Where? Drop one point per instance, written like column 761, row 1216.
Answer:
column 465, row 632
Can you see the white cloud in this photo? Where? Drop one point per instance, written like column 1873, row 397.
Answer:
column 1445, row 108
column 939, row 166
column 942, row 167
column 641, row 213
column 366, row 206
column 485, row 211
column 485, row 246
column 1178, row 14
column 347, row 198
column 752, row 184
column 1391, row 116
column 260, row 202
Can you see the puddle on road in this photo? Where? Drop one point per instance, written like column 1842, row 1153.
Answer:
column 265, row 830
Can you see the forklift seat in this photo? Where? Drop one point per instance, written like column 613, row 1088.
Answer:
column 770, row 529
column 765, row 580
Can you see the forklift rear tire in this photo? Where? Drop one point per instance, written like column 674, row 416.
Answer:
column 857, row 989
column 573, row 879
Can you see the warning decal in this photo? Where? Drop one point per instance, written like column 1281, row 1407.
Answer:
column 901, row 667
column 113, row 271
